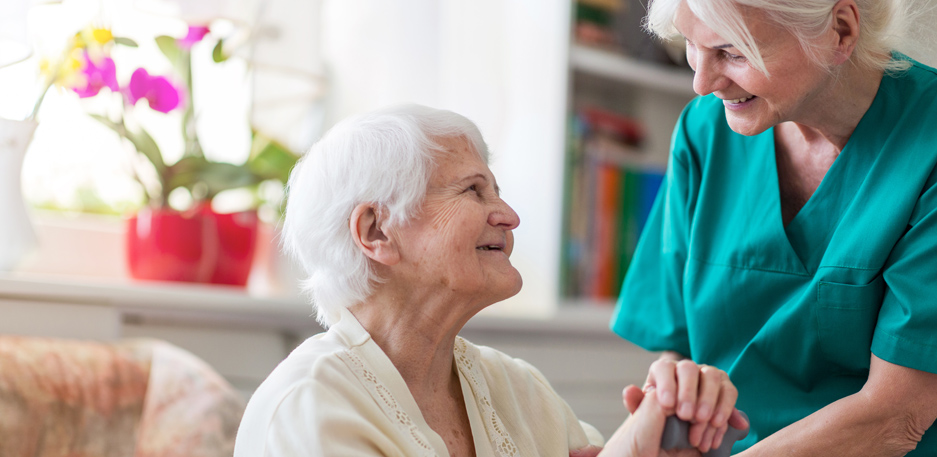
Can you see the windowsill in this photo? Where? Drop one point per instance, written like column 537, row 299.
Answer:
column 93, row 246
column 200, row 304
column 161, row 301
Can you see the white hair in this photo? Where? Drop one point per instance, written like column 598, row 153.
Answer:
column 385, row 157
column 882, row 26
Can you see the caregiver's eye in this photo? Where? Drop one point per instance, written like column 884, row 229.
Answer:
column 733, row 57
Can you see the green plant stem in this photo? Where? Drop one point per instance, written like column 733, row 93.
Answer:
column 189, row 131
column 42, row 95
column 121, row 128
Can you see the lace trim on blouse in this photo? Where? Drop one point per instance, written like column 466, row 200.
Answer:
column 387, row 402
column 466, row 362
column 497, row 434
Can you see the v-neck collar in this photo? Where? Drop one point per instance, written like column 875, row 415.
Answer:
column 384, row 372
column 777, row 227
column 810, row 231
column 488, row 432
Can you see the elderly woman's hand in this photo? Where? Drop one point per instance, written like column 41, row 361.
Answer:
column 640, row 435
column 700, row 394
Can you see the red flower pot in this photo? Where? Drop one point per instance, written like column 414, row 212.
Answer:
column 192, row 246
column 237, row 237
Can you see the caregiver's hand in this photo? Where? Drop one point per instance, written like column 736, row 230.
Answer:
column 700, row 394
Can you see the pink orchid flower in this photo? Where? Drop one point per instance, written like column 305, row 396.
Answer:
column 161, row 94
column 97, row 75
column 195, row 34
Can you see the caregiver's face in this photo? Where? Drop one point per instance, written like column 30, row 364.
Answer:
column 461, row 240
column 753, row 102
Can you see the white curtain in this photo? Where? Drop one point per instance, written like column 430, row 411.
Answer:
column 501, row 63
column 288, row 80
column 14, row 45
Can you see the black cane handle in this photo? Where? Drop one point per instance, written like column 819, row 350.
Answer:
column 677, row 436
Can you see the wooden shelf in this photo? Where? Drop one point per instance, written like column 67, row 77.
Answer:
column 628, row 157
column 630, row 70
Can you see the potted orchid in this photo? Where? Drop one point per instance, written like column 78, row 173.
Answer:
column 195, row 243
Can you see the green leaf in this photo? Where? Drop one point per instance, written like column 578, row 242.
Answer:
column 170, row 49
column 220, row 176
column 148, row 147
column 124, row 41
column 118, row 128
column 185, row 172
column 217, row 53
column 270, row 159
column 141, row 140
column 191, row 171
column 143, row 143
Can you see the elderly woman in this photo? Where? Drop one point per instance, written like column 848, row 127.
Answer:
column 398, row 222
column 794, row 243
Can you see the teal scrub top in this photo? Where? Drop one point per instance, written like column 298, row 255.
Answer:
column 794, row 313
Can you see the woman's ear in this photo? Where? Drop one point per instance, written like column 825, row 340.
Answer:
column 367, row 225
column 846, row 27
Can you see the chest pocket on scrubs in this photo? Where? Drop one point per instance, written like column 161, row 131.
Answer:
column 847, row 315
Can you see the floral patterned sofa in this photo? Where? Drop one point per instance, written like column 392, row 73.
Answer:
column 139, row 398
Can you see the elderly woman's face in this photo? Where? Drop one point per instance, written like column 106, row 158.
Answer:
column 461, row 239
column 753, row 102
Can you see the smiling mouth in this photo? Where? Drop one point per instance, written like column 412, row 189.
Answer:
column 490, row 247
column 736, row 101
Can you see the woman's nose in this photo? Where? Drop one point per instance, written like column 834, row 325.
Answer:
column 504, row 216
column 708, row 77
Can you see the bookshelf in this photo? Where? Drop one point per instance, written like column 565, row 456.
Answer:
column 631, row 71
column 623, row 101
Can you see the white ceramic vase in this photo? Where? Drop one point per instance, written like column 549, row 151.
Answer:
column 17, row 237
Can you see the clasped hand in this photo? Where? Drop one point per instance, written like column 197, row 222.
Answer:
column 700, row 394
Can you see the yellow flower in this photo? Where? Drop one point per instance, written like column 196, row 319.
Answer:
column 92, row 38
column 77, row 41
column 102, row 36
column 66, row 71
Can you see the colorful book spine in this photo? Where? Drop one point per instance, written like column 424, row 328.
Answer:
column 608, row 197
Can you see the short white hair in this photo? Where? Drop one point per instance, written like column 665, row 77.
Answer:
column 880, row 26
column 385, row 157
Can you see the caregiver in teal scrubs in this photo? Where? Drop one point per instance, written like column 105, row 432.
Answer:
column 794, row 241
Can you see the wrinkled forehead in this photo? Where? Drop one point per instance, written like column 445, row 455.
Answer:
column 460, row 145
column 456, row 158
column 715, row 29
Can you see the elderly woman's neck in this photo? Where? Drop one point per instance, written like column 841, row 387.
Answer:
column 416, row 336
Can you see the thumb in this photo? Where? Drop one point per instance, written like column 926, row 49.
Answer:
column 588, row 451
column 648, row 425
column 738, row 420
column 632, row 397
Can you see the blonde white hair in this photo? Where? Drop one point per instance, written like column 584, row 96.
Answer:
column 385, row 157
column 881, row 23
